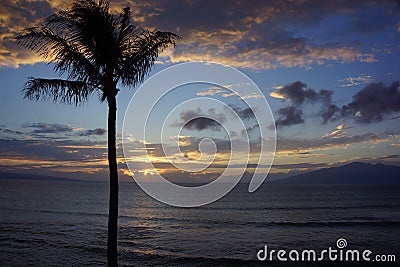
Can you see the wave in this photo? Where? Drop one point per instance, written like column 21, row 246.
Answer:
column 335, row 223
column 249, row 208
column 210, row 223
column 57, row 212
column 152, row 258
column 351, row 221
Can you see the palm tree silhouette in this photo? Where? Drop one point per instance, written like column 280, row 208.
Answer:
column 96, row 50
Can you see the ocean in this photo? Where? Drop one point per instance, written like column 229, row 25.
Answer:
column 48, row 223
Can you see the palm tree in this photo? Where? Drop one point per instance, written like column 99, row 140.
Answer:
column 95, row 50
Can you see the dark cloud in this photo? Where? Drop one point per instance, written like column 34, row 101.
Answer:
column 259, row 34
column 52, row 150
column 241, row 14
column 250, row 129
column 370, row 104
column 8, row 131
column 329, row 112
column 248, row 118
column 297, row 94
column 249, row 34
column 199, row 120
column 203, row 124
column 49, row 128
column 289, row 116
column 298, row 144
column 97, row 131
column 41, row 129
column 246, row 114
column 373, row 102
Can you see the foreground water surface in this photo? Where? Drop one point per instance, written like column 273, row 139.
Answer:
column 44, row 223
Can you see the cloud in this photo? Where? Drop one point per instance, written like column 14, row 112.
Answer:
column 338, row 132
column 299, row 165
column 243, row 113
column 211, row 91
column 357, row 80
column 49, row 128
column 394, row 117
column 246, row 114
column 256, row 34
column 370, row 104
column 82, row 158
column 53, row 150
column 289, row 116
column 259, row 38
column 304, row 145
column 14, row 16
column 74, row 158
column 12, row 132
column 42, row 129
column 203, row 124
column 373, row 102
column 199, row 120
column 264, row 58
column 297, row 94
column 329, row 112
column 97, row 131
column 224, row 92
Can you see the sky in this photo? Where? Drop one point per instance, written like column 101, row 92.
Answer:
column 329, row 70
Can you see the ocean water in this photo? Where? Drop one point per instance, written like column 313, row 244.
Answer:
column 44, row 223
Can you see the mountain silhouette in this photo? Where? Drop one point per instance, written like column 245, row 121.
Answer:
column 352, row 173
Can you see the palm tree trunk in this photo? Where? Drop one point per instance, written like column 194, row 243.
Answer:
column 113, row 204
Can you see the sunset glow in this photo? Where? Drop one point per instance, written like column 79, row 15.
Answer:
column 328, row 69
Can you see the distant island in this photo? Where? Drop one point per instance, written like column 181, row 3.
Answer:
column 352, row 173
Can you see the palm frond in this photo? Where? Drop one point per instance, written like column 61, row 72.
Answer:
column 93, row 46
column 56, row 48
column 92, row 28
column 141, row 55
column 58, row 90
